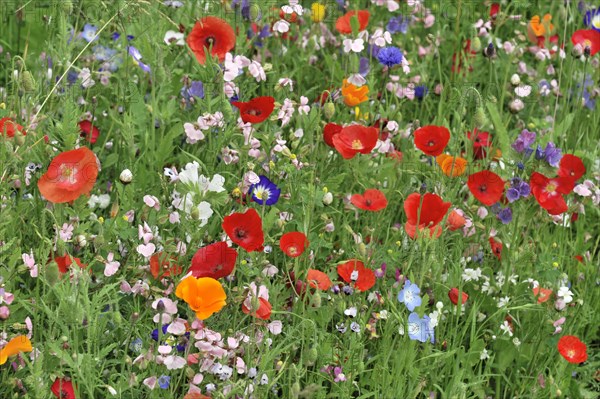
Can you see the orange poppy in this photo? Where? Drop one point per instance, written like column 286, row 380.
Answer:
column 354, row 95
column 344, row 26
column 9, row 127
column 451, row 166
column 70, row 174
column 318, row 279
column 204, row 295
column 15, row 346
column 455, row 221
column 195, row 395
column 542, row 294
column 214, row 34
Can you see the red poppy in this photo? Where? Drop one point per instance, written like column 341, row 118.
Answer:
column 465, row 55
column 215, row 260
column 542, row 294
column 66, row 261
column 547, row 192
column 571, row 167
column 256, row 110
column 355, row 272
column 453, row 295
column 211, row 33
column 293, row 244
column 572, row 349
column 331, row 129
column 494, row 9
column 578, row 258
column 355, row 139
column 161, row 262
column 89, row 132
column 344, row 26
column 263, row 311
column 372, row 200
column 432, row 139
column 63, row 389
column 319, row 280
column 425, row 215
column 496, row 247
column 486, row 186
column 455, row 221
column 245, row 229
column 587, row 38
column 397, row 155
column 481, row 142
column 70, row 174
column 8, row 127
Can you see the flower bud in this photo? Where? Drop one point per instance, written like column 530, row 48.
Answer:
column 327, row 198
column 4, row 312
column 329, row 110
column 311, row 357
column 81, row 240
column 475, row 44
column 515, row 80
column 28, row 82
column 126, row 176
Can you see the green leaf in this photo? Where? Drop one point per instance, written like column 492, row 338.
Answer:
column 501, row 132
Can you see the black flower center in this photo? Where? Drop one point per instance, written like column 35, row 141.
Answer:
column 240, row 234
column 209, row 41
column 483, row 187
column 254, row 112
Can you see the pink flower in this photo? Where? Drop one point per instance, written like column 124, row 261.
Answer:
column 111, row 266
column 150, row 382
column 29, row 261
column 303, row 108
column 66, row 232
column 167, row 308
column 152, row 202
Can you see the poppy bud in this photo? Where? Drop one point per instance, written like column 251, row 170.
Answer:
column 28, row 82
column 476, row 44
column 327, row 198
column 515, row 80
column 362, row 249
column 329, row 110
column 311, row 357
column 453, row 295
column 52, row 273
column 195, row 213
column 480, row 119
column 80, row 240
column 126, row 176
column 19, row 137
column 316, row 300
column 114, row 209
column 67, row 6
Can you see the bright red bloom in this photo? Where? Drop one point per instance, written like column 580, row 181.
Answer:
column 453, row 295
column 571, row 166
column 496, row 247
column 256, row 110
column 547, row 192
column 455, row 221
column 9, row 127
column 355, row 139
column 494, row 9
column 63, row 389
column 578, row 258
column 372, row 200
column 331, row 129
column 215, row 260
column 89, row 132
column 572, row 349
column 343, row 23
column 66, row 261
column 70, row 174
column 319, row 280
column 245, row 229
column 432, row 139
column 481, row 142
column 587, row 38
column 293, row 244
column 214, row 34
column 263, row 311
column 355, row 272
column 486, row 186
column 161, row 265
column 425, row 215
column 542, row 294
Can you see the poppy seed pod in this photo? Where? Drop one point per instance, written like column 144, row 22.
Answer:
column 329, row 110
column 126, row 176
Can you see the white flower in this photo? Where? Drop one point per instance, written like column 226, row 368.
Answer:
column 303, row 108
column 566, row 294
column 357, row 79
column 257, row 71
column 505, row 327
column 471, row 274
column 516, row 341
column 503, row 301
column 355, row 46
column 174, row 37
column 484, row 354
column 281, row 26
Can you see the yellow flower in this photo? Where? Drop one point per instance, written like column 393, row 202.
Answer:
column 318, row 12
column 15, row 346
column 354, row 95
column 204, row 295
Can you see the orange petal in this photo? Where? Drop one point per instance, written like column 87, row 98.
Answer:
column 15, row 346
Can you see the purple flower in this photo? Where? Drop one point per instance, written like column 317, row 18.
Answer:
column 89, row 33
column 518, row 188
column 164, row 381
column 265, row 192
column 398, row 24
column 553, row 154
column 196, row 89
column 137, row 56
column 505, row 216
column 364, row 67
column 524, row 141
column 390, row 56
column 409, row 295
column 421, row 91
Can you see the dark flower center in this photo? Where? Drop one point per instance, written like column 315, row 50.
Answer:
column 483, row 187
column 431, row 143
column 368, row 202
column 209, row 41
column 254, row 112
column 240, row 234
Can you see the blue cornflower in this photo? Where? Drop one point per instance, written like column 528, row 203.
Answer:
column 505, row 216
column 524, row 141
column 419, row 329
column 155, row 332
column 265, row 192
column 409, row 295
column 421, row 91
column 89, row 33
column 72, row 76
column 592, row 19
column 163, row 381
column 398, row 24
column 390, row 56
column 135, row 54
column 136, row 345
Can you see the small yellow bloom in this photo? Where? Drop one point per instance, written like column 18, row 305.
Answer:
column 2, row 106
column 236, row 192
column 101, row 220
column 318, row 12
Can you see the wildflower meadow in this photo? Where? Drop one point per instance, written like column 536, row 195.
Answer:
column 299, row 199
